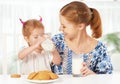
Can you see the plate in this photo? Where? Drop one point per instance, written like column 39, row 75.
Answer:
column 42, row 81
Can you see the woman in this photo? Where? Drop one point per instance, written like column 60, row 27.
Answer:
column 74, row 19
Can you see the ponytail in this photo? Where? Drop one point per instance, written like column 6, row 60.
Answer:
column 95, row 23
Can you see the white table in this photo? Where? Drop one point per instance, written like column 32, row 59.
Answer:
column 69, row 79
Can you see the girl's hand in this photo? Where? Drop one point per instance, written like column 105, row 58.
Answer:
column 85, row 70
column 39, row 41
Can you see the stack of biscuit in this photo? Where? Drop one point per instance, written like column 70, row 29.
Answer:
column 42, row 75
column 15, row 75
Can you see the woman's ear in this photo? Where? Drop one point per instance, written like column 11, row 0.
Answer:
column 81, row 26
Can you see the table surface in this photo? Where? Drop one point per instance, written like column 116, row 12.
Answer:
column 68, row 79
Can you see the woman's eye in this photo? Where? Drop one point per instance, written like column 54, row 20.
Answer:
column 35, row 37
column 64, row 27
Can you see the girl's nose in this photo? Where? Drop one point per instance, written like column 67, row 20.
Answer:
column 40, row 36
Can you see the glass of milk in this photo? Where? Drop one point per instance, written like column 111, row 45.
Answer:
column 48, row 44
column 77, row 60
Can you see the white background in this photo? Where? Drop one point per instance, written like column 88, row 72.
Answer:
column 11, row 39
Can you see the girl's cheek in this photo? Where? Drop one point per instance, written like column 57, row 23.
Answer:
column 33, row 41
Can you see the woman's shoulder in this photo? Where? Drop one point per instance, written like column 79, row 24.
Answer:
column 58, row 40
column 100, row 46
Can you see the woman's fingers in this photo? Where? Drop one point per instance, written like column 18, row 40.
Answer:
column 84, row 64
column 85, row 70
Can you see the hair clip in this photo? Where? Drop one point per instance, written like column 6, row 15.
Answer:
column 21, row 21
column 24, row 22
column 91, row 9
column 40, row 18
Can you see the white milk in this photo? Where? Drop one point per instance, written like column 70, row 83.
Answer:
column 76, row 64
column 48, row 45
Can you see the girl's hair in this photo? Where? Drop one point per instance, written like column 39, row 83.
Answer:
column 30, row 25
column 78, row 12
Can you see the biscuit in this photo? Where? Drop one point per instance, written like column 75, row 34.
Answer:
column 53, row 75
column 15, row 75
column 45, row 71
column 36, row 77
column 32, row 75
column 42, row 75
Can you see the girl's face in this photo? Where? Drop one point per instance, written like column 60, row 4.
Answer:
column 69, row 29
column 35, row 34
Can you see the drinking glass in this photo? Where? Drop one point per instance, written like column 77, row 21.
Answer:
column 48, row 45
column 77, row 60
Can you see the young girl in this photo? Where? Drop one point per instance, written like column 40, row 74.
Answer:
column 74, row 19
column 33, row 57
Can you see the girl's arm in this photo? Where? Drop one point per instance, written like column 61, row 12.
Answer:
column 31, row 48
column 26, row 51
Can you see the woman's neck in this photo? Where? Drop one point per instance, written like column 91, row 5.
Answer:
column 80, row 38
column 81, row 43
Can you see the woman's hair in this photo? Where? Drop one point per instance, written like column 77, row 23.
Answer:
column 78, row 12
column 30, row 25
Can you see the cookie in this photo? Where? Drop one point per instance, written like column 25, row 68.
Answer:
column 15, row 75
column 42, row 75
column 53, row 75
column 32, row 75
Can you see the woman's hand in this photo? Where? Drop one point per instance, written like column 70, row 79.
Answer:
column 85, row 70
column 56, row 57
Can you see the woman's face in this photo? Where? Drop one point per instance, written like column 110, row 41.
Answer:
column 35, row 34
column 69, row 29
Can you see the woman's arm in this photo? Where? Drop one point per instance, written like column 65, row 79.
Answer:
column 56, row 57
column 103, row 65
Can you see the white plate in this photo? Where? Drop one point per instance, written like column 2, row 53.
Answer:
column 42, row 81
